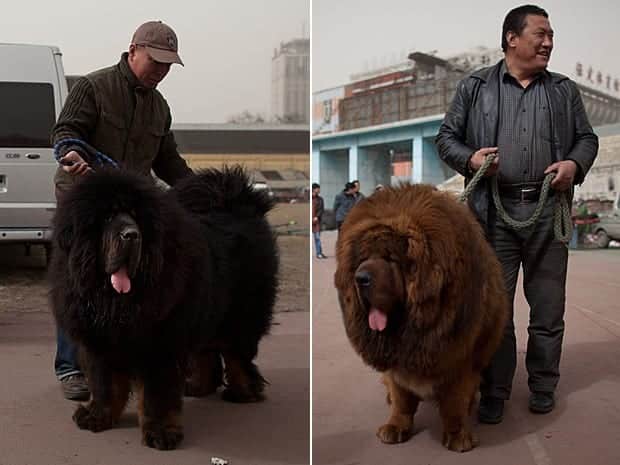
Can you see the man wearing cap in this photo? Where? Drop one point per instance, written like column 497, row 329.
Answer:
column 118, row 111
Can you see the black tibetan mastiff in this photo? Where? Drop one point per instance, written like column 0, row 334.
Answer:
column 156, row 288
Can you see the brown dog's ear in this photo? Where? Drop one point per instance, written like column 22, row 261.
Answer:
column 342, row 278
column 424, row 294
column 426, row 283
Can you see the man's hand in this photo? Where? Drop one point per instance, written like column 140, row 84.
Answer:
column 74, row 164
column 477, row 159
column 565, row 174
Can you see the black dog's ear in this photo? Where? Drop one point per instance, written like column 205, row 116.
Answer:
column 82, row 265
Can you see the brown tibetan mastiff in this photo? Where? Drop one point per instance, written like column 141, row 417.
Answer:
column 156, row 288
column 423, row 301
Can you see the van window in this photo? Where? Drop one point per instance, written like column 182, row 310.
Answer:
column 27, row 114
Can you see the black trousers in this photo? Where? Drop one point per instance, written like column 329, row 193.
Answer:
column 544, row 262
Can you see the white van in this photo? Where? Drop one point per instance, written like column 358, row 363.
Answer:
column 33, row 89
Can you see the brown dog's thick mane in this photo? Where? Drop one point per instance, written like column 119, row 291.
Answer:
column 436, row 243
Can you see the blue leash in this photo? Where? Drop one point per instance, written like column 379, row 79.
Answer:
column 99, row 157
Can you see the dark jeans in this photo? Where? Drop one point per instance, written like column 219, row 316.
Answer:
column 544, row 261
column 66, row 362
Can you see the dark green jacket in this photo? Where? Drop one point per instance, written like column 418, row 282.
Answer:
column 112, row 112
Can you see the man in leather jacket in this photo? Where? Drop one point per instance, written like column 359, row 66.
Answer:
column 117, row 111
column 535, row 122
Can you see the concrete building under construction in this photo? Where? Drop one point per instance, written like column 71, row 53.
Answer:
column 422, row 88
column 381, row 128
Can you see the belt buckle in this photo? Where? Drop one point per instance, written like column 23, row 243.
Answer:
column 526, row 190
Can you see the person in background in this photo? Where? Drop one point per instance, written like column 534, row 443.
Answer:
column 318, row 206
column 356, row 191
column 343, row 202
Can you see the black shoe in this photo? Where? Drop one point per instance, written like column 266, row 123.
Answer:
column 491, row 410
column 74, row 387
column 541, row 402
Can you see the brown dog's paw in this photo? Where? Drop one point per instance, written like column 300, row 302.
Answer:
column 92, row 418
column 160, row 437
column 461, row 441
column 392, row 434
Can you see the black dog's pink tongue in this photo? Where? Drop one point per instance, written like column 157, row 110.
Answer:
column 377, row 320
column 120, row 281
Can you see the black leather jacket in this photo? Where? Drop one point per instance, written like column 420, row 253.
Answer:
column 472, row 121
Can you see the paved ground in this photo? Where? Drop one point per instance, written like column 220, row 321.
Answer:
column 349, row 401
column 35, row 421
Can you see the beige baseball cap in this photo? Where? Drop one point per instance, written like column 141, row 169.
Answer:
column 160, row 41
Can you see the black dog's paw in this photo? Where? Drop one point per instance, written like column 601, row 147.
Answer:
column 248, row 388
column 161, row 437
column 92, row 418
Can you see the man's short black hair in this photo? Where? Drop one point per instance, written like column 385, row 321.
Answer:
column 348, row 186
column 315, row 185
column 355, row 181
column 515, row 21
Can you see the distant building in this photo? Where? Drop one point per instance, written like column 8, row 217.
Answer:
column 603, row 180
column 425, row 85
column 255, row 146
column 325, row 105
column 275, row 154
column 381, row 127
column 478, row 57
column 290, row 81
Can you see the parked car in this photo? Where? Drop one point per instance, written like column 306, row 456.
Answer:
column 608, row 227
column 262, row 186
column 33, row 89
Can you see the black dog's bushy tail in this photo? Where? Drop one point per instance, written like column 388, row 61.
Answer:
column 228, row 189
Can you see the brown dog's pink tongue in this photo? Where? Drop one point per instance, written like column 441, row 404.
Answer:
column 377, row 320
column 120, row 281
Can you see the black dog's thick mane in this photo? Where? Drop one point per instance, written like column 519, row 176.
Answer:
column 226, row 190
column 172, row 236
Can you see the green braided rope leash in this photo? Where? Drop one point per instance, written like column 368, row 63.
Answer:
column 562, row 224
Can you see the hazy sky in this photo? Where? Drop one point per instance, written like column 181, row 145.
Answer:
column 226, row 45
column 349, row 33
